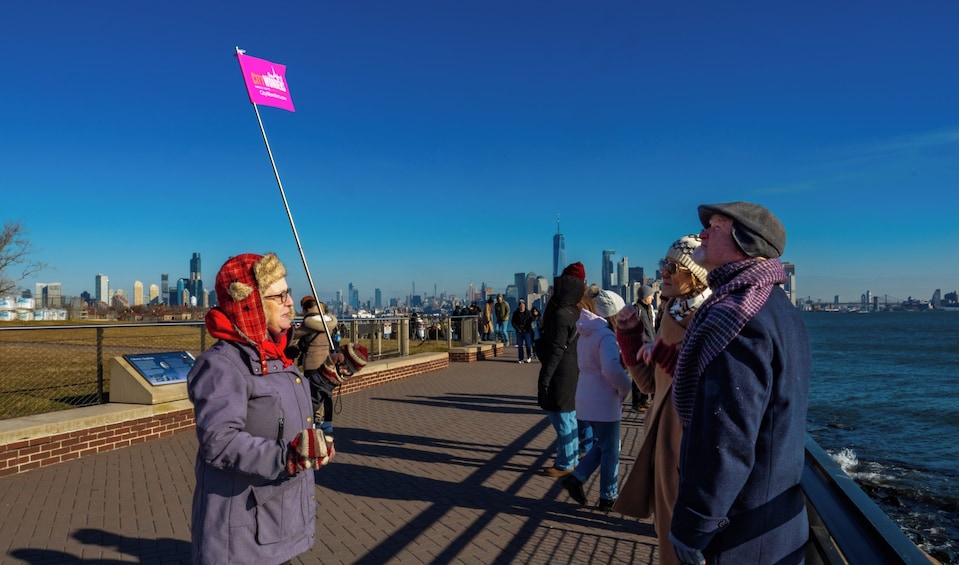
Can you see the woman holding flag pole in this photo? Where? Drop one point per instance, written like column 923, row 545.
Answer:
column 255, row 495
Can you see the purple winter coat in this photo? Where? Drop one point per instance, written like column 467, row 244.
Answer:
column 246, row 507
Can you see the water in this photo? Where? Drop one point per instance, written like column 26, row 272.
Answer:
column 884, row 404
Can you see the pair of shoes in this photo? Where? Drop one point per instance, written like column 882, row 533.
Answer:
column 575, row 489
column 605, row 504
column 521, row 361
column 556, row 472
column 644, row 408
column 529, row 359
column 636, row 408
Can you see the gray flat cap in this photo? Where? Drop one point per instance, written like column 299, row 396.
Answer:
column 756, row 230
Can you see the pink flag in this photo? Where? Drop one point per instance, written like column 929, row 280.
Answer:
column 265, row 82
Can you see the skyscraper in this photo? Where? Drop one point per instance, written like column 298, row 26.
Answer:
column 48, row 295
column 790, row 286
column 607, row 282
column 165, row 288
column 377, row 299
column 154, row 294
column 559, row 251
column 196, row 279
column 137, row 293
column 102, row 288
column 622, row 277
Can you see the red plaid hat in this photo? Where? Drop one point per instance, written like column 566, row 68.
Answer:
column 238, row 289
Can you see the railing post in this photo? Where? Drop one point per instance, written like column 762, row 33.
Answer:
column 100, row 365
column 404, row 337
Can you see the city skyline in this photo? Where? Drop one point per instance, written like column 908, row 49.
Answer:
column 608, row 278
column 438, row 143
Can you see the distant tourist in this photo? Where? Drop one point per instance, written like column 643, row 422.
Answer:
column 524, row 333
column 255, row 495
column 486, row 321
column 652, row 485
column 501, row 318
column 740, row 389
column 315, row 348
column 644, row 310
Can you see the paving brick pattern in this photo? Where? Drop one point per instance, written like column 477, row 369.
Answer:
column 438, row 468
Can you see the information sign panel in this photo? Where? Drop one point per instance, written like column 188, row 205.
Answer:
column 162, row 368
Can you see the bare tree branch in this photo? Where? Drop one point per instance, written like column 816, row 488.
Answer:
column 15, row 261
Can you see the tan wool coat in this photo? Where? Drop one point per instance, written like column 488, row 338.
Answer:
column 653, row 483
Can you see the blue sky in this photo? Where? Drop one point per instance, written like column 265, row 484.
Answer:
column 437, row 142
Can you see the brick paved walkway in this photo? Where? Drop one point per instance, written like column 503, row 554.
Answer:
column 438, row 468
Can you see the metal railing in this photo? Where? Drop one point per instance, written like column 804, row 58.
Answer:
column 846, row 526
column 47, row 368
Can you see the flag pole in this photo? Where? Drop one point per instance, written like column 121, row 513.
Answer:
column 289, row 214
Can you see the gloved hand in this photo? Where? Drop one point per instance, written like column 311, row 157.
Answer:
column 630, row 340
column 686, row 555
column 628, row 318
column 335, row 373
column 665, row 355
column 541, row 394
column 310, row 448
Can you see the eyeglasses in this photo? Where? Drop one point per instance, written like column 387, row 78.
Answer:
column 670, row 267
column 280, row 298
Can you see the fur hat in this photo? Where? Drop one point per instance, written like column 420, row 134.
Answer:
column 757, row 232
column 607, row 304
column 239, row 286
column 681, row 251
column 576, row 270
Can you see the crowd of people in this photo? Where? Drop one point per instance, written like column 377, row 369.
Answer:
column 721, row 370
column 725, row 362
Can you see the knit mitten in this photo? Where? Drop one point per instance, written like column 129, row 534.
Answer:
column 630, row 340
column 665, row 355
column 310, row 448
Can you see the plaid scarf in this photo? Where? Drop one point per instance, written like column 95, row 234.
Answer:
column 740, row 290
column 221, row 327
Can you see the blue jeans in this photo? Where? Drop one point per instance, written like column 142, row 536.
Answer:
column 567, row 440
column 585, row 435
column 501, row 331
column 524, row 338
column 604, row 455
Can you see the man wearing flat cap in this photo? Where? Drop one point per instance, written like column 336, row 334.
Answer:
column 740, row 389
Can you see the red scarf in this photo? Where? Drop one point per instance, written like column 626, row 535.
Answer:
column 221, row 327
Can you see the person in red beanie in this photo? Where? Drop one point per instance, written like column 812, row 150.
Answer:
column 254, row 500
column 559, row 371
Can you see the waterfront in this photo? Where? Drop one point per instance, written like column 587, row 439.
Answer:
column 883, row 404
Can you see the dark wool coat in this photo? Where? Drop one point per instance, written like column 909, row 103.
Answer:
column 246, row 507
column 741, row 457
column 559, row 372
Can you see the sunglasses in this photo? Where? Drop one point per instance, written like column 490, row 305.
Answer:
column 670, row 267
column 280, row 298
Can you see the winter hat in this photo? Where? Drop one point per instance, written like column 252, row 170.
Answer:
column 645, row 292
column 307, row 302
column 757, row 232
column 607, row 304
column 681, row 251
column 576, row 270
column 356, row 355
column 240, row 284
